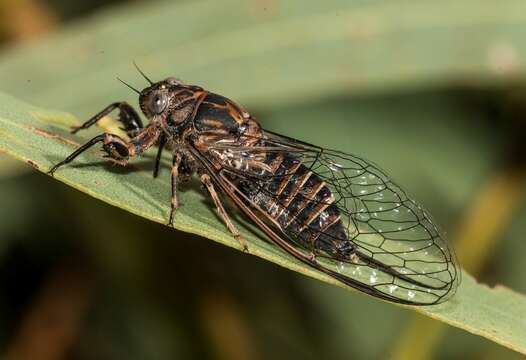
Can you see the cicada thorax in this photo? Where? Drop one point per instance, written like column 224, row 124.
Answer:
column 219, row 121
column 294, row 198
column 221, row 116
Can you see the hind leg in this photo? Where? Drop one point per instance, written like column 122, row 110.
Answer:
column 205, row 179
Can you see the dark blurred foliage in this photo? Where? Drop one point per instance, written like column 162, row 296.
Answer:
column 70, row 10
column 188, row 292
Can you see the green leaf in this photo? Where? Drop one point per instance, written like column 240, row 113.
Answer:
column 41, row 138
column 275, row 52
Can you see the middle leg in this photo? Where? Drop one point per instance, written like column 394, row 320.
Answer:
column 174, row 204
column 117, row 150
column 157, row 165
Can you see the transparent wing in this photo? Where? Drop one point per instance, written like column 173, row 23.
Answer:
column 399, row 253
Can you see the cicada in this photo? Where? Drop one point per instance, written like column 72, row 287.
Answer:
column 336, row 212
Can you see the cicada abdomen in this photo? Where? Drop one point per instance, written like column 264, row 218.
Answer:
column 300, row 203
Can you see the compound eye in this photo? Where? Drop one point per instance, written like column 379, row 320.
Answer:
column 158, row 103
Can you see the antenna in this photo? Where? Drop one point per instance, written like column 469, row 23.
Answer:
column 143, row 75
column 128, row 85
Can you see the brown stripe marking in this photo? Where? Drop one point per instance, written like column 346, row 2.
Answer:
column 276, row 162
column 235, row 112
column 334, row 220
column 212, row 123
column 297, row 187
column 317, row 211
column 311, row 196
column 287, row 178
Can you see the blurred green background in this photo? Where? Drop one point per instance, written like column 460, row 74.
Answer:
column 432, row 91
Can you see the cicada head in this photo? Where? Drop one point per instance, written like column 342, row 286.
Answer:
column 160, row 98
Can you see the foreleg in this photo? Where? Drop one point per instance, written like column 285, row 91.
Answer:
column 116, row 148
column 128, row 117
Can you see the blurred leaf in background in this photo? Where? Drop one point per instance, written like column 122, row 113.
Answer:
column 432, row 91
